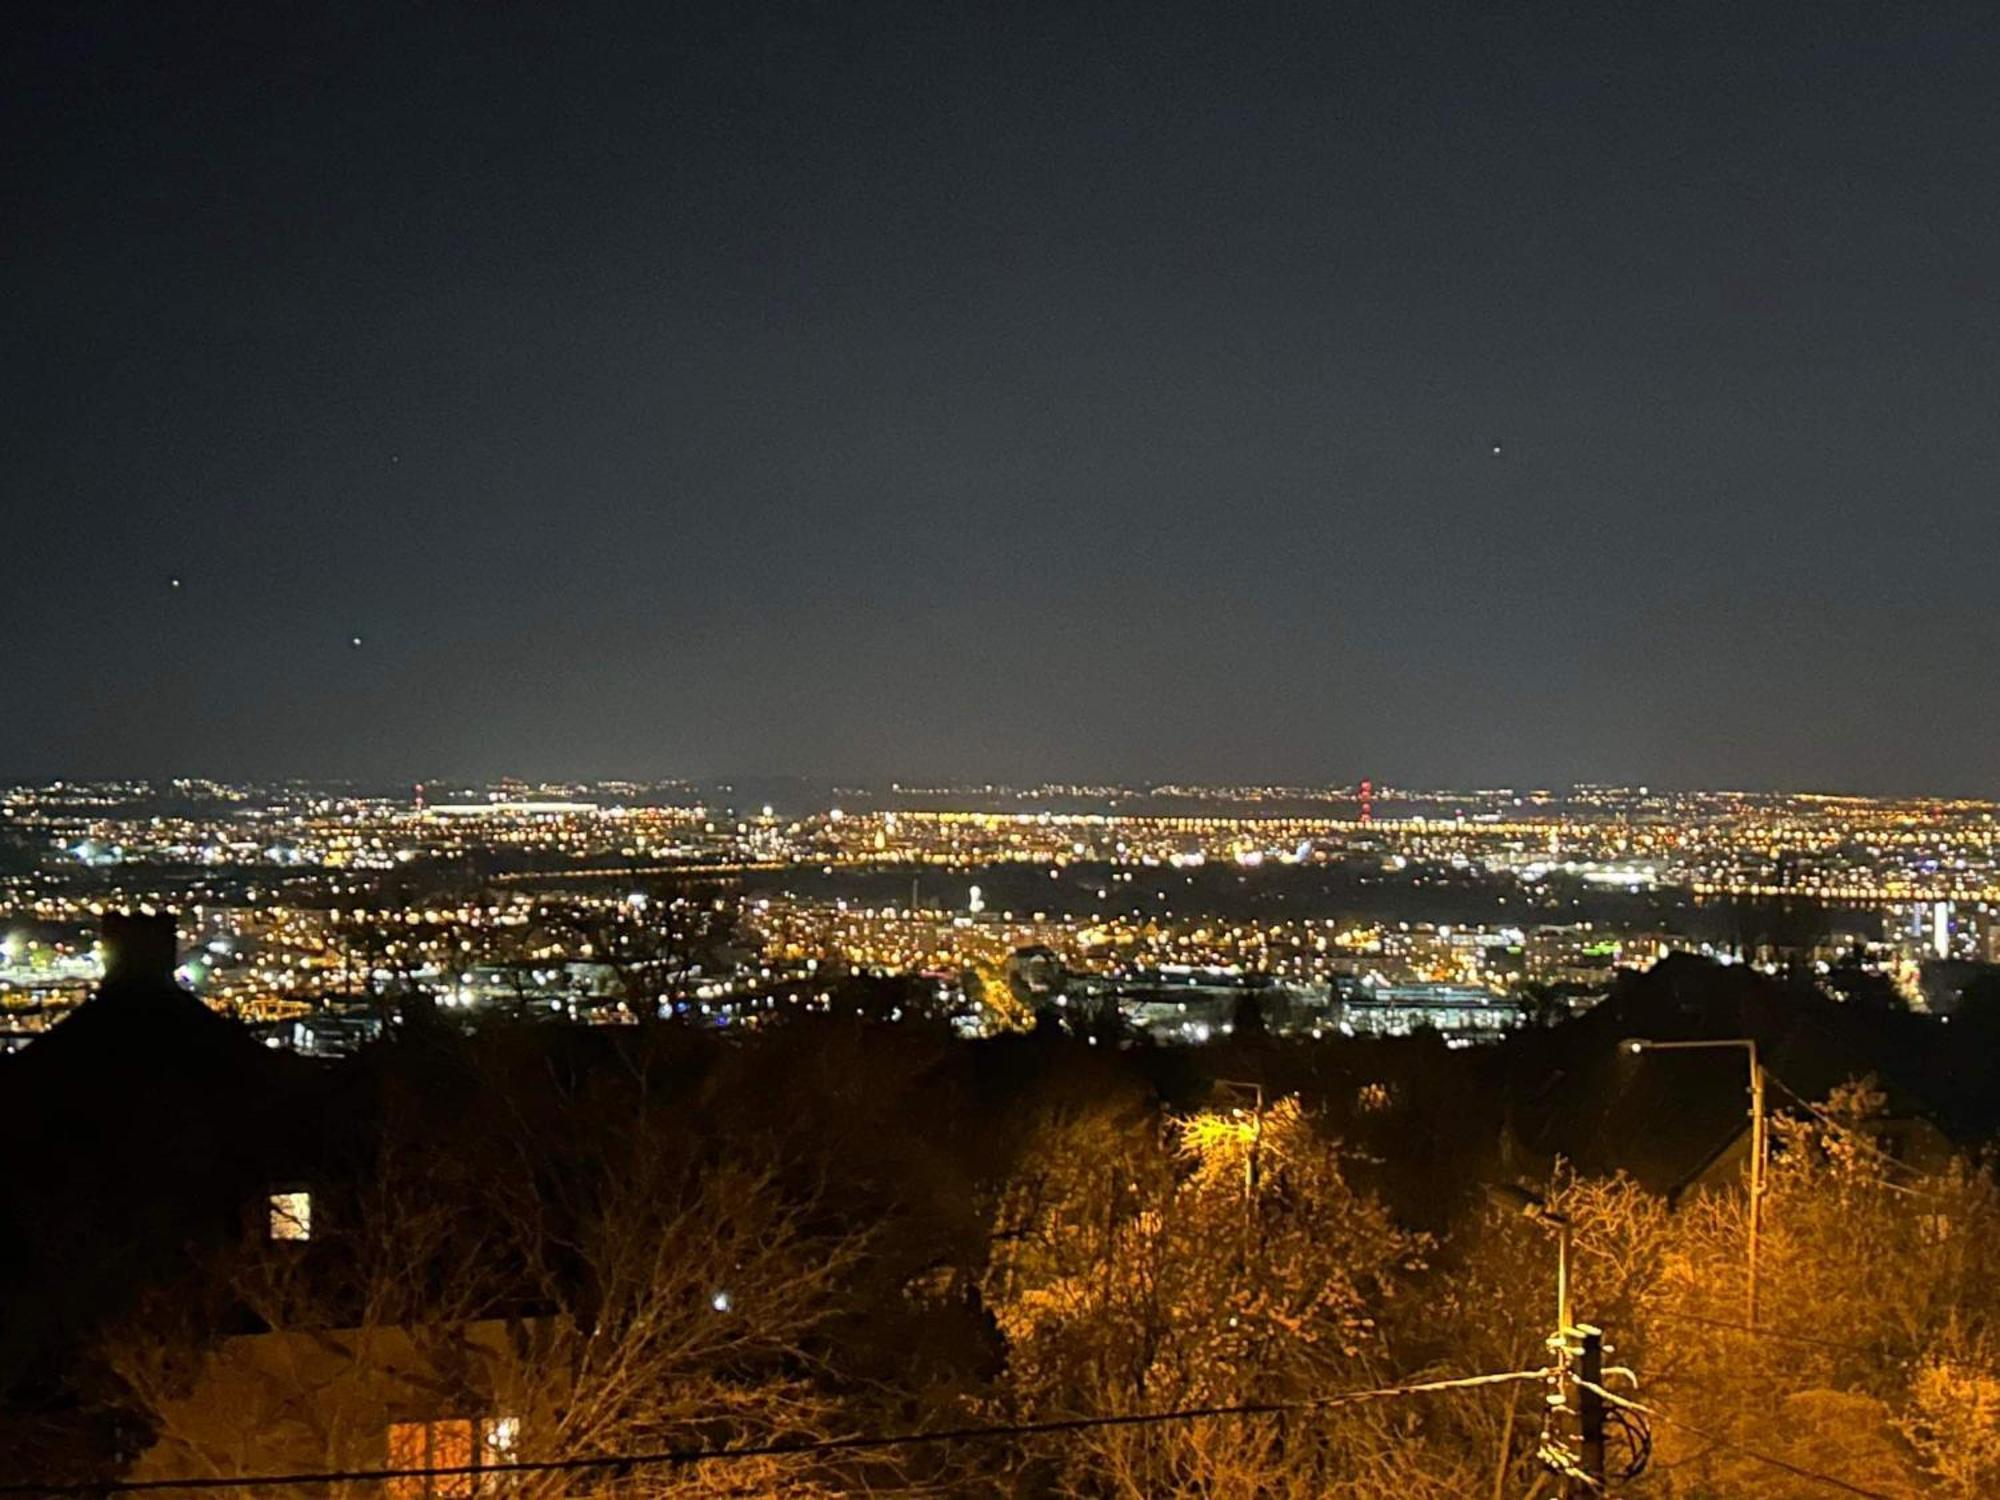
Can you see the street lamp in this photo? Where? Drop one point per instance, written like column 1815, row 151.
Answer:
column 1579, row 1368
column 1758, row 1143
column 1253, row 1093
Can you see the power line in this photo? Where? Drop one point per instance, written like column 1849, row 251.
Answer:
column 1726, row 1446
column 1761, row 1333
column 781, row 1448
column 1859, row 1138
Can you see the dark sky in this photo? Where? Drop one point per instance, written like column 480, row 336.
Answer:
column 1004, row 390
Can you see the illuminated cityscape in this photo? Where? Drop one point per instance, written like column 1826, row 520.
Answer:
column 340, row 1057
column 316, row 910
column 1080, row 751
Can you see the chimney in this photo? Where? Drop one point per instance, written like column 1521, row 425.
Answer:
column 139, row 948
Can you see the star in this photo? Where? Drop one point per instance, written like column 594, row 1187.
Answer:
column 354, row 640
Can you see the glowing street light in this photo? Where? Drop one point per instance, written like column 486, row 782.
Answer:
column 1758, row 1143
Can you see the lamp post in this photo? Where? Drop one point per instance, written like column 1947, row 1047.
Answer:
column 1757, row 1140
column 1254, row 1092
column 1579, row 1367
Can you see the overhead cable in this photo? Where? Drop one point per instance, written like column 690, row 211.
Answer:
column 861, row 1443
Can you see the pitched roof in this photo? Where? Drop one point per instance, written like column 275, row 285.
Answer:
column 1664, row 1116
column 156, row 1027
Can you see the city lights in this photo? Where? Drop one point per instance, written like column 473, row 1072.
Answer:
column 311, row 907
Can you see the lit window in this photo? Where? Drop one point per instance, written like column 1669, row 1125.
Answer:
column 409, row 1448
column 291, row 1216
column 447, row 1444
column 451, row 1448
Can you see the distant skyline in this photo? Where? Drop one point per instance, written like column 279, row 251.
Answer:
column 795, row 790
column 1004, row 392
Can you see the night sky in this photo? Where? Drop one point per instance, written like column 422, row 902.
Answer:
column 1013, row 390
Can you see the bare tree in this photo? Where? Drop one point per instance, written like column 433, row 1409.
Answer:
column 517, row 1304
column 1133, row 1273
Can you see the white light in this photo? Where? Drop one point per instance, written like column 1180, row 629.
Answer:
column 291, row 1216
column 722, row 1302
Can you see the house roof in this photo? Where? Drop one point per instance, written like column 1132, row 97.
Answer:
column 1664, row 1117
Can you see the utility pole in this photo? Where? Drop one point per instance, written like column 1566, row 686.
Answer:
column 1589, row 1410
column 1572, row 1443
column 1758, row 1147
column 1759, row 1142
column 1253, row 1158
column 1254, row 1165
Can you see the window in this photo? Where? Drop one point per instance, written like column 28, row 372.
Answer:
column 291, row 1216
column 447, row 1443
